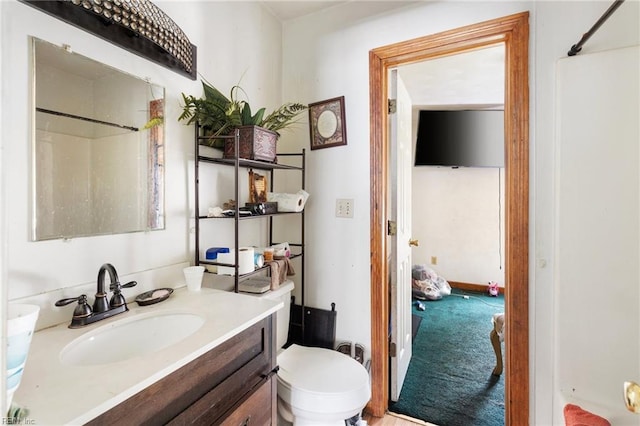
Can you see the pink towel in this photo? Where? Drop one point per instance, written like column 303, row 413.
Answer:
column 575, row 415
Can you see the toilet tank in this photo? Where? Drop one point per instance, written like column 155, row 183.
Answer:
column 283, row 294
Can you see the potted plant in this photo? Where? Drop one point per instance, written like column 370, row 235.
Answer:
column 219, row 115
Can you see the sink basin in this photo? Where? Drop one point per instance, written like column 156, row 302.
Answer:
column 130, row 337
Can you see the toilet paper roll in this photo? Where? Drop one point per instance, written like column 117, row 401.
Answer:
column 289, row 202
column 245, row 261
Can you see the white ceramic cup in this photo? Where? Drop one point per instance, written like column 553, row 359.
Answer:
column 193, row 277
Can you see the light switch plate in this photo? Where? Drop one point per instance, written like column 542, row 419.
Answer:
column 344, row 207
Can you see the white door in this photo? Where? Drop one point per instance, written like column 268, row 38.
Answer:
column 400, row 213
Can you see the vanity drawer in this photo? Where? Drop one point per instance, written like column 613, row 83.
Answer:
column 206, row 389
column 222, row 401
column 256, row 410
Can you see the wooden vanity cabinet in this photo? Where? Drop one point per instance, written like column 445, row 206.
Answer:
column 233, row 384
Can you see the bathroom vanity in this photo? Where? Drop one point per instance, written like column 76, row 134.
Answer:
column 223, row 373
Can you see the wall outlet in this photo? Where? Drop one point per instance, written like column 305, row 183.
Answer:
column 434, row 260
column 344, row 207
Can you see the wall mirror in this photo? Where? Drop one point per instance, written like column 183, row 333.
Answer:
column 98, row 148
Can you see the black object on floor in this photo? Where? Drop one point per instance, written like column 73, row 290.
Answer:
column 319, row 327
column 415, row 325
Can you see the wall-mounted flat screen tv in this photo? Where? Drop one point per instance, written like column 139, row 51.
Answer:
column 460, row 138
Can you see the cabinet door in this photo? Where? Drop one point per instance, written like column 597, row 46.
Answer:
column 203, row 391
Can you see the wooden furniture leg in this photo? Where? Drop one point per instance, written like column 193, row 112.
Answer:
column 494, row 336
column 497, row 348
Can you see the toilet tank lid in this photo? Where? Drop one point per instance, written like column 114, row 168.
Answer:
column 321, row 370
column 285, row 287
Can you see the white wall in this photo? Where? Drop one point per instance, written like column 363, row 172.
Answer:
column 326, row 55
column 458, row 217
column 3, row 243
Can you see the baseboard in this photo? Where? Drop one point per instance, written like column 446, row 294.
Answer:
column 479, row 288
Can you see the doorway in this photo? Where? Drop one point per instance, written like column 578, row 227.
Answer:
column 513, row 31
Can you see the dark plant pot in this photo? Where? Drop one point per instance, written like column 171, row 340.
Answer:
column 256, row 143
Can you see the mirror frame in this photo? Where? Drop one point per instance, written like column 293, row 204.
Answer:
column 148, row 32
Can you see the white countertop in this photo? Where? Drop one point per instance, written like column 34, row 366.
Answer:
column 58, row 394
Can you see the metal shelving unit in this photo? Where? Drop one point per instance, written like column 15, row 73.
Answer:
column 238, row 164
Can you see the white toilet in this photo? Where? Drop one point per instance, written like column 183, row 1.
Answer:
column 316, row 386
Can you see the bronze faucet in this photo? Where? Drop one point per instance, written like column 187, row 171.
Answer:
column 83, row 314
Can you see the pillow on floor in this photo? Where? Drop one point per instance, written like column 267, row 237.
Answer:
column 576, row 416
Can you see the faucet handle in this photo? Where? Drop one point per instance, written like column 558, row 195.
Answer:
column 82, row 310
column 117, row 286
column 130, row 284
column 79, row 299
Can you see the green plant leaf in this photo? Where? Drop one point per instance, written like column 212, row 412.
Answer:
column 219, row 115
column 214, row 95
column 284, row 116
column 157, row 121
column 234, row 114
column 246, row 114
column 257, row 118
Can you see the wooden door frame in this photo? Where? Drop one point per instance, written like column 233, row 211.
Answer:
column 513, row 31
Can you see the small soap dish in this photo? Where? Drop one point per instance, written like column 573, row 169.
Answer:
column 153, row 296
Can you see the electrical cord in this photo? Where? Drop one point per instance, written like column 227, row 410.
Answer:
column 479, row 298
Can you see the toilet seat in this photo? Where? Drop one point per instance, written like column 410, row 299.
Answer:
column 322, row 382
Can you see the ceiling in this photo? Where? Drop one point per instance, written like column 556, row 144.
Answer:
column 468, row 80
column 286, row 10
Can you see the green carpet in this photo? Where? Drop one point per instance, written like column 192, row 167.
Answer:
column 449, row 381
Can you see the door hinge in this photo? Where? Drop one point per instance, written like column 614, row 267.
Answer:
column 392, row 227
column 392, row 349
column 392, row 106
